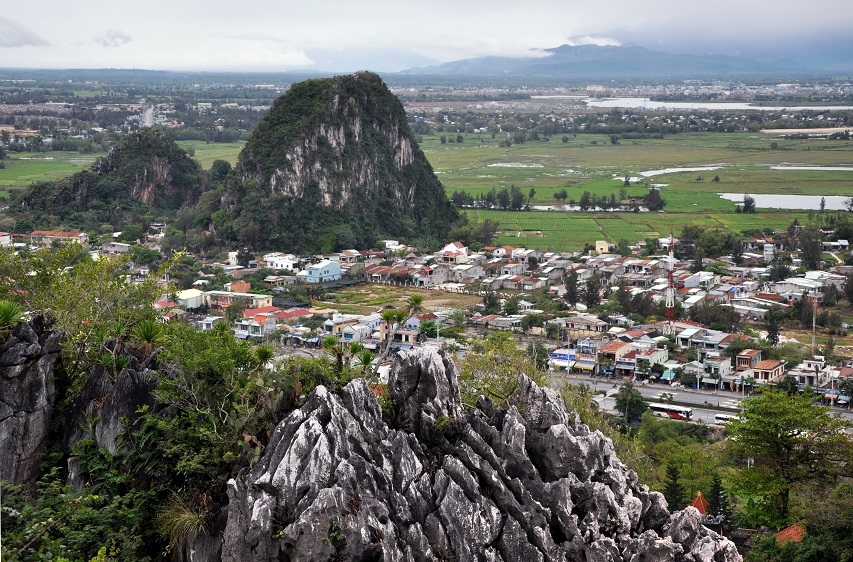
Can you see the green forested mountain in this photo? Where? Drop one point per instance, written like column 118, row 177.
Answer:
column 146, row 174
column 333, row 165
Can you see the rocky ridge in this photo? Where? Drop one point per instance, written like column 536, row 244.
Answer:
column 524, row 481
column 334, row 162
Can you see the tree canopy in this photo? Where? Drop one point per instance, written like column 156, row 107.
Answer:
column 790, row 441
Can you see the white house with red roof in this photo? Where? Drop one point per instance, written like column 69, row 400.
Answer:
column 5, row 240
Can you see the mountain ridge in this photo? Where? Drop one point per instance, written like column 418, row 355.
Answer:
column 605, row 61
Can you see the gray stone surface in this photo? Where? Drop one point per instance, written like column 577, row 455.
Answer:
column 28, row 359
column 528, row 482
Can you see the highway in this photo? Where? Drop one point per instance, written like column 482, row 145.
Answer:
column 705, row 403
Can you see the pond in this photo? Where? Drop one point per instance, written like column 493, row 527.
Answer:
column 796, row 202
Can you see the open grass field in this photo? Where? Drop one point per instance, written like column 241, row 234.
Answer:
column 744, row 160
column 207, row 152
column 560, row 231
column 587, row 162
column 743, row 163
column 25, row 168
column 370, row 298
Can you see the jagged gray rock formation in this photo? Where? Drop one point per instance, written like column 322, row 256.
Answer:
column 522, row 482
column 97, row 411
column 28, row 358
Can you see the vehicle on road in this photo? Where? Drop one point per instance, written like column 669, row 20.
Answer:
column 671, row 411
column 724, row 418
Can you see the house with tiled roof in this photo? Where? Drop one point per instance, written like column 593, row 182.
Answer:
column 47, row 237
column 5, row 240
column 258, row 326
column 767, row 371
column 747, row 359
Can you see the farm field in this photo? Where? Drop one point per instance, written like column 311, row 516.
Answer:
column 743, row 163
column 562, row 231
column 743, row 160
column 25, row 168
column 207, row 152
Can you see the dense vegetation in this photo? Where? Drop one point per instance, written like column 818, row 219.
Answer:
column 333, row 165
column 145, row 175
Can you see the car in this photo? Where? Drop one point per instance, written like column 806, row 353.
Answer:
column 724, row 418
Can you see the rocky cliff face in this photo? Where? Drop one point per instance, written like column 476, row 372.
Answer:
column 523, row 482
column 28, row 359
column 336, row 151
column 29, row 365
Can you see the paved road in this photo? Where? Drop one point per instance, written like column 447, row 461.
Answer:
column 713, row 402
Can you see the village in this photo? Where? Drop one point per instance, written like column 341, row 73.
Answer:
column 511, row 288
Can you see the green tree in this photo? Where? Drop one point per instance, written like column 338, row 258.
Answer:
column 571, row 295
column 491, row 303
column 748, row 204
column 790, row 442
column 592, row 292
column 698, row 260
column 511, row 307
column 630, row 403
column 673, row 490
column 809, row 241
column 219, row 170
column 771, row 324
column 492, row 368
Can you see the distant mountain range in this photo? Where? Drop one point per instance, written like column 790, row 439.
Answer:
column 629, row 61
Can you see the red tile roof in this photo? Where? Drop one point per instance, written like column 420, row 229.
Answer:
column 767, row 365
column 794, row 533
column 700, row 503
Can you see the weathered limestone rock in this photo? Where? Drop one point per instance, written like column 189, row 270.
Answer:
column 28, row 359
column 528, row 482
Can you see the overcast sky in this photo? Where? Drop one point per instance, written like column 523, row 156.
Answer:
column 384, row 35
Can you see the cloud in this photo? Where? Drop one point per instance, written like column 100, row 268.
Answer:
column 113, row 38
column 16, row 35
column 593, row 40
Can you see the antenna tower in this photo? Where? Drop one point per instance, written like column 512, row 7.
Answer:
column 670, row 289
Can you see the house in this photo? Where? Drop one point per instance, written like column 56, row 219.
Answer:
column 115, row 248
column 747, row 359
column 349, row 256
column 278, row 261
column 321, row 272
column 190, row 298
column 453, row 253
column 338, row 322
column 609, row 353
column 5, row 240
column 222, row 299
column 768, row 370
column 48, row 237
column 209, row 321
column 259, row 326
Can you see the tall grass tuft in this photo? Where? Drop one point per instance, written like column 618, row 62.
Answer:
column 178, row 522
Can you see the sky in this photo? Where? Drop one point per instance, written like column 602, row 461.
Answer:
column 386, row 35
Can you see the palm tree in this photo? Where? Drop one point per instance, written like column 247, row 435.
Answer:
column 363, row 360
column 393, row 319
column 415, row 305
column 333, row 347
column 149, row 333
column 10, row 314
column 263, row 354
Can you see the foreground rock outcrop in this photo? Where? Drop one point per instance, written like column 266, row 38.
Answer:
column 523, row 482
column 28, row 358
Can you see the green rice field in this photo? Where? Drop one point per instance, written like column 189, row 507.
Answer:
column 585, row 163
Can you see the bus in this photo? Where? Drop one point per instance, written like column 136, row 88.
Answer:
column 671, row 411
